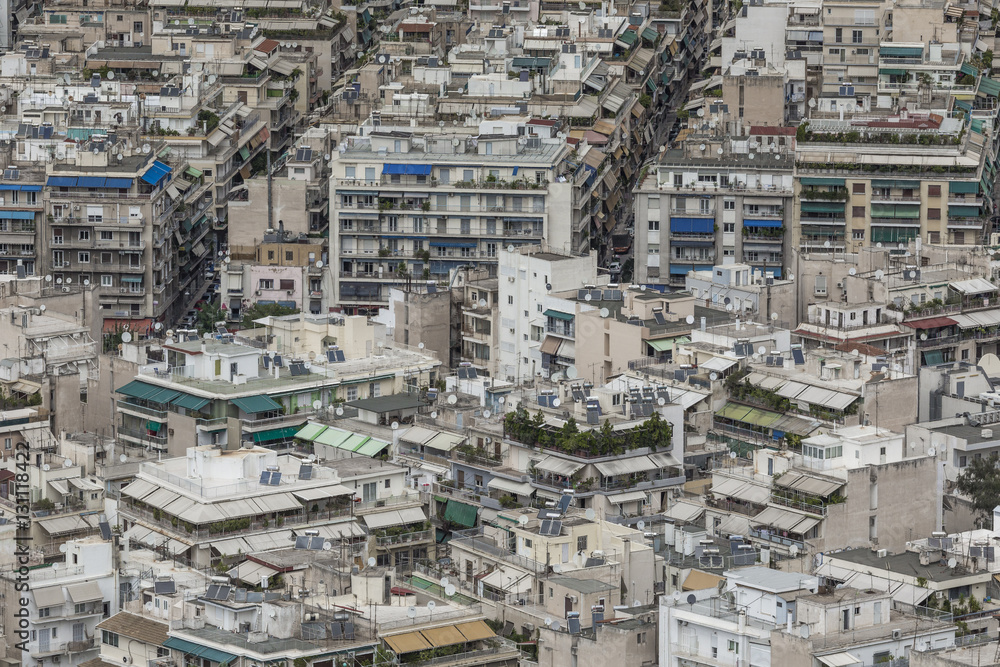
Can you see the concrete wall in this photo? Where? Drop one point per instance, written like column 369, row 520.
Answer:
column 761, row 99
column 425, row 318
column 629, row 643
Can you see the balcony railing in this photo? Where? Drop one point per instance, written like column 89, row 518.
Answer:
column 405, row 538
column 159, row 415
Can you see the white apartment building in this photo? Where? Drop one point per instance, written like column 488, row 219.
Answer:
column 66, row 602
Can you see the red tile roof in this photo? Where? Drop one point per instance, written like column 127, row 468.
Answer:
column 267, row 46
column 768, row 131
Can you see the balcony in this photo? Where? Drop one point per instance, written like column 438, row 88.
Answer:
column 142, row 437
column 129, row 407
column 251, row 425
column 938, row 341
column 405, row 538
column 565, row 332
column 889, row 198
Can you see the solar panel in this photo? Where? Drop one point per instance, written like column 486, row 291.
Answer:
column 164, row 587
column 317, row 543
column 349, row 630
column 799, row 359
column 716, row 561
column 305, row 472
column 303, row 155
column 472, row 373
column 934, row 542
column 564, row 502
column 574, row 626
column 336, row 631
column 555, row 529
column 432, row 289
column 545, row 527
column 269, row 595
column 297, row 368
column 301, row 541
column 745, row 558
column 463, row 374
column 976, row 552
column 947, row 543
column 240, row 595
column 593, row 417
column 660, row 319
column 105, row 530
column 278, row 361
column 265, row 477
column 508, row 627
column 989, row 553
column 597, row 617
column 267, row 361
column 769, row 361
column 313, row 631
column 779, row 361
column 578, row 394
column 582, row 294
column 275, row 478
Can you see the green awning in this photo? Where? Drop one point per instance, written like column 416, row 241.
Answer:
column 759, row 417
column 163, row 396
column 565, row 317
column 198, row 651
column 894, row 234
column 664, row 344
column 821, row 181
column 892, row 71
column 259, row 403
column 650, row 34
column 976, row 126
column 901, row 51
column 963, row 211
column 354, row 442
column 895, row 183
column 195, row 173
column 822, row 207
column 665, row 79
column 285, row 433
column 245, row 153
column 933, row 357
column 966, row 68
column 628, row 37
column 460, row 513
column 190, row 402
column 153, row 426
column 964, row 187
column 651, row 85
column 310, row 431
column 907, row 211
column 332, row 437
column 372, row 447
column 734, row 411
column 962, row 104
column 136, row 389
column 989, row 87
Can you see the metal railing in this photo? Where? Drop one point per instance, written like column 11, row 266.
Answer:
column 405, row 538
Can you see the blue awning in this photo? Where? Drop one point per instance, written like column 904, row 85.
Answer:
column 287, row 304
column 156, row 173
column 407, row 169
column 692, row 225
column 61, row 182
column 515, row 171
column 132, row 279
column 23, row 188
column 762, row 223
column 90, row 182
column 680, row 269
column 453, row 244
column 119, row 183
column 17, row 215
column 265, row 302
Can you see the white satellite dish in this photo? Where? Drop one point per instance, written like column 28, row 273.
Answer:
column 641, row 525
column 434, row 415
column 590, row 514
column 852, row 271
column 371, row 561
column 761, row 350
column 126, row 337
column 420, row 346
column 605, row 312
column 67, row 463
column 487, row 414
column 932, row 452
column 689, row 319
column 879, row 274
column 450, row 590
column 732, row 455
column 548, row 622
column 394, row 425
column 317, row 405
column 523, row 520
column 587, row 297
column 452, row 399
column 923, row 336
column 111, row 76
column 340, row 412
column 123, row 458
column 431, row 604
column 661, row 401
column 713, row 377
column 952, row 562
column 411, row 612
column 510, row 248
column 794, row 550
column 46, row 467
column 501, row 400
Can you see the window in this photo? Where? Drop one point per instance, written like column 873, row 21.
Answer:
column 109, row 638
column 856, row 37
column 7, row 443
column 729, row 205
column 838, row 35
column 933, row 214
column 734, row 646
column 510, row 300
column 369, row 173
column 44, row 612
column 933, row 190
column 654, row 225
column 289, row 255
column 654, row 249
column 107, row 281
column 349, row 172
column 654, row 204
column 84, row 234
column 857, row 211
column 352, row 393
column 820, row 285
column 106, row 235
column 581, row 543
column 83, row 257
column 265, row 283
column 286, row 284
column 858, row 188
column 857, row 234
column 963, row 461
column 729, row 227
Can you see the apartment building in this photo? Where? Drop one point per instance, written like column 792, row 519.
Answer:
column 68, row 599
column 717, row 200
column 222, row 392
column 852, row 32
column 409, row 205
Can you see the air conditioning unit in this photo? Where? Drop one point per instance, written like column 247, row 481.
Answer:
column 882, row 553
column 896, row 634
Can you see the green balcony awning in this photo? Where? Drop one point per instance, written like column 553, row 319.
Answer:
column 245, row 153
column 254, row 404
column 894, row 234
column 901, row 51
column 895, row 183
column 163, row 396
column 892, row 71
column 136, row 389
column 651, row 85
column 821, row 181
column 907, row 211
column 664, row 344
column 822, row 207
column 963, row 211
column 966, row 68
column 198, row 651
column 190, row 402
column 964, row 187
column 650, row 34
column 194, row 173
column 628, row 37
column 310, row 431
column 285, row 433
column 734, row 411
column 460, row 513
column 371, row 447
column 153, row 426
column 565, row 317
column 989, row 87
column 759, row 417
column 933, row 357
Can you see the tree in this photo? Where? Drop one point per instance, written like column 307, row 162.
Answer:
column 208, row 316
column 257, row 311
column 980, row 481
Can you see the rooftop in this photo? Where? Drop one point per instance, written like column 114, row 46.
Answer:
column 906, row 563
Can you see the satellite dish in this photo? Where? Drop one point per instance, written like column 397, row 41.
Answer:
column 641, row 525
column 571, row 373
column 449, row 590
column 317, row 405
column 761, row 350
column 510, row 248
column 826, row 244
column 411, row 612
column 126, row 337
column 804, row 631
column 434, row 415
column 69, row 462
column 691, row 599
column 501, row 400
column 713, row 377
column 486, row 414
column 952, row 562
column 111, row 76
column 431, row 604
column 556, row 626
column 587, row 297
column 689, row 319
column 46, row 467
column 155, row 73
column 677, row 596
column 590, row 514
column 812, row 102
column 523, row 520
column 557, row 568
column 794, row 550
column 340, row 412
column 720, row 151
column 879, row 274
column 605, row 312
column 852, row 271
column 394, row 425
column 751, row 155
column 482, row 303
column 327, row 546
column 145, row 148
column 923, row 336
column 732, row 455
column 548, row 622
column 371, row 561
column 319, row 264
column 636, row 603
column 932, row 452
column 123, row 458
column 661, row 401
column 420, row 346
column 452, row 399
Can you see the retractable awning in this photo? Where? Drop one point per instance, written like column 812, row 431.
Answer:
column 556, row 466
column 517, row 488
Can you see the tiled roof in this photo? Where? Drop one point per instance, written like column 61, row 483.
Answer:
column 136, row 627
